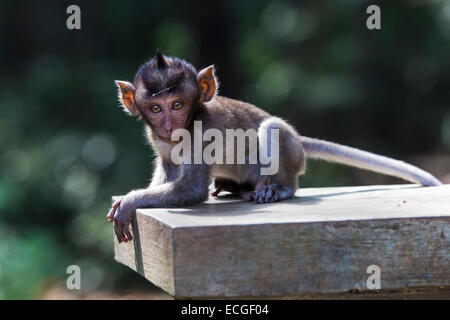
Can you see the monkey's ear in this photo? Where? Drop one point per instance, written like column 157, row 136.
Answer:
column 207, row 83
column 126, row 96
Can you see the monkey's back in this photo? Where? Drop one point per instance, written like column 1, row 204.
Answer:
column 222, row 112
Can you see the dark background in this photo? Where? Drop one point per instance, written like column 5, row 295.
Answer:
column 66, row 147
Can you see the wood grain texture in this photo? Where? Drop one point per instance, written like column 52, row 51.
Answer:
column 321, row 241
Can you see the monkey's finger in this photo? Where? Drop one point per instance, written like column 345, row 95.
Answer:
column 261, row 195
column 126, row 230
column 120, row 230
column 260, row 199
column 113, row 209
column 269, row 194
column 116, row 231
column 110, row 214
column 116, row 204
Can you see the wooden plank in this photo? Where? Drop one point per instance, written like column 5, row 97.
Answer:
column 151, row 252
column 321, row 241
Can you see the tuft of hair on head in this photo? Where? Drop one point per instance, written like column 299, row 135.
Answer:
column 163, row 74
column 160, row 59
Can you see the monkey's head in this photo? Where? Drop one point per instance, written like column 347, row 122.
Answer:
column 166, row 92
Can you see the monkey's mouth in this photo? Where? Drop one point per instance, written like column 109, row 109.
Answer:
column 166, row 134
column 166, row 137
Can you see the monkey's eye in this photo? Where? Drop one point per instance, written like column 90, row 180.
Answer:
column 155, row 108
column 177, row 105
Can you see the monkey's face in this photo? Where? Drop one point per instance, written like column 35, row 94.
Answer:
column 166, row 113
column 165, row 93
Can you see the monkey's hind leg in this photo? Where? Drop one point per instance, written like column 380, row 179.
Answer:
column 282, row 184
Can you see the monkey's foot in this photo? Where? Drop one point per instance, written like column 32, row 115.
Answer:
column 265, row 194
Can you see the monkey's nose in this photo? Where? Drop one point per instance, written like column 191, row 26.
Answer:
column 168, row 128
column 169, row 131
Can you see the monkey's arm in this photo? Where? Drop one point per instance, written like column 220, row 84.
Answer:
column 163, row 172
column 333, row 152
column 190, row 187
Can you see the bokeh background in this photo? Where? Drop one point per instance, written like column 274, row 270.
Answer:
column 66, row 147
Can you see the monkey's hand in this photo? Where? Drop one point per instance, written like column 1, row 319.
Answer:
column 121, row 214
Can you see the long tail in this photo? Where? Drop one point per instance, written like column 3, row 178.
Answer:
column 333, row 152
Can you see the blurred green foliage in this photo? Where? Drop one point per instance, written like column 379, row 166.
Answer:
column 66, row 147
